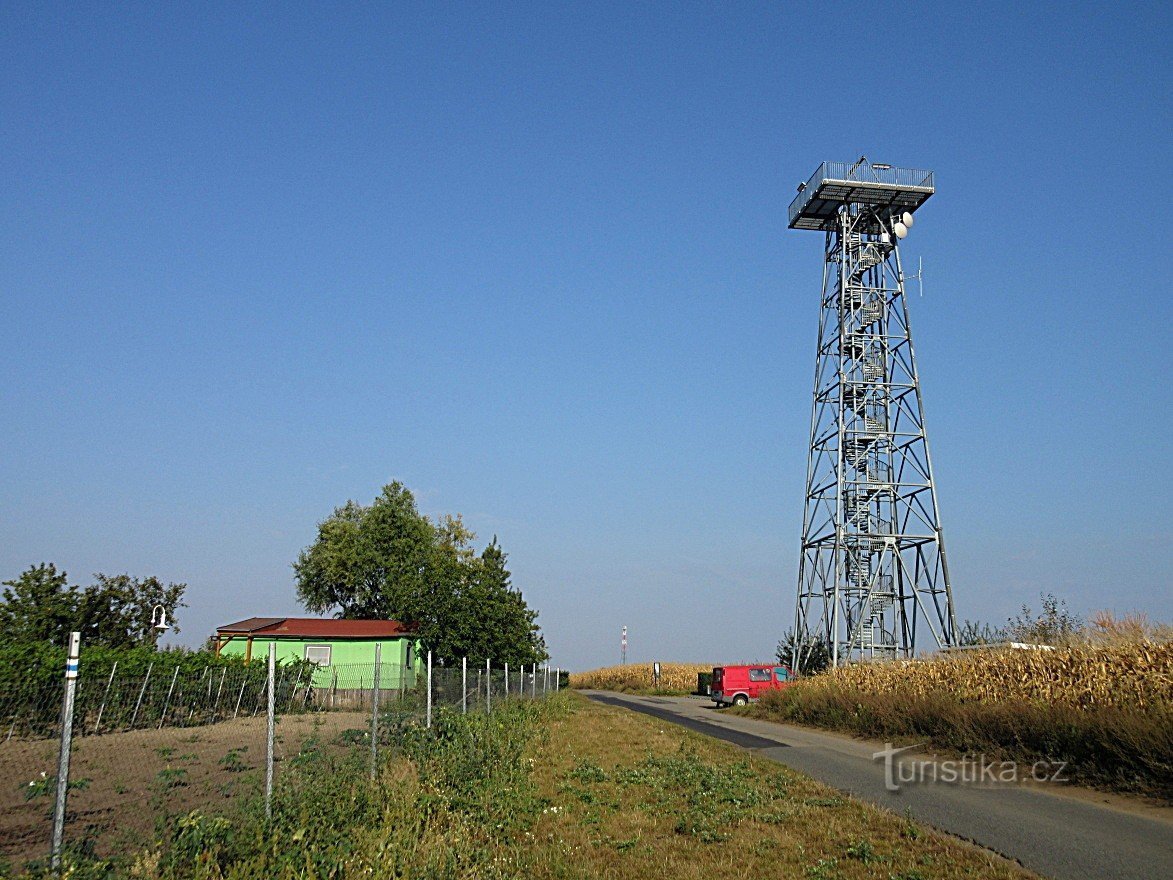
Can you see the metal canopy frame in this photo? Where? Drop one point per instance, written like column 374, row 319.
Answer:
column 873, row 580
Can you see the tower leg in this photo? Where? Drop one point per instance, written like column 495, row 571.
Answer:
column 872, row 580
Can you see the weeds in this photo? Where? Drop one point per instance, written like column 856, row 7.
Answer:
column 232, row 762
column 45, row 785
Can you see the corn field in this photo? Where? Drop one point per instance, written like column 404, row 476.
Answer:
column 638, row 677
column 1137, row 676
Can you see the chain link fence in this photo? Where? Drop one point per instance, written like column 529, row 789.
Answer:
column 139, row 749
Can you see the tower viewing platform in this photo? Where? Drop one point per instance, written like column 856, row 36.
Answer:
column 862, row 183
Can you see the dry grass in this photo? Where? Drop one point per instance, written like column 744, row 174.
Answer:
column 633, row 797
column 632, row 677
column 1108, row 628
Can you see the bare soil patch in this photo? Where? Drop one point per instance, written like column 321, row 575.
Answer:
column 124, row 784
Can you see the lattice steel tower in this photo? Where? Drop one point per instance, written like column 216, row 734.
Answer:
column 872, row 576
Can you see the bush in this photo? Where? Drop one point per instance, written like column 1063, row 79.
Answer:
column 32, row 679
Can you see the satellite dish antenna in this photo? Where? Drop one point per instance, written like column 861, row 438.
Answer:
column 900, row 229
column 906, row 219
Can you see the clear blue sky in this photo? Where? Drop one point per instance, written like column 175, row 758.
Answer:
column 532, row 260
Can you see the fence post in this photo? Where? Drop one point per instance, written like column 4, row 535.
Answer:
column 105, row 696
column 219, row 691
column 71, row 665
column 167, row 702
column 375, row 710
column 557, row 678
column 428, row 716
column 521, row 679
column 488, row 686
column 464, row 685
column 240, row 696
column 506, row 679
column 272, row 724
column 297, row 681
column 142, row 690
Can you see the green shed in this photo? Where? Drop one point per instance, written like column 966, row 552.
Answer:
column 344, row 650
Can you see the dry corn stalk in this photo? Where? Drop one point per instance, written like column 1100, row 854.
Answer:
column 638, row 676
column 1136, row 675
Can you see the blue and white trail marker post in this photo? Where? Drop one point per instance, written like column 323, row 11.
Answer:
column 71, row 666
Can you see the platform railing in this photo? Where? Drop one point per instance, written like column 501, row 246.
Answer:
column 864, row 172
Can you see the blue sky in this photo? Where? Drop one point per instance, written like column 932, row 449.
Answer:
column 532, row 260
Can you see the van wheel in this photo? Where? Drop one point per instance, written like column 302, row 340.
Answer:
column 740, row 700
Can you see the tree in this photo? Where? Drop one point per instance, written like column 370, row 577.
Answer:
column 501, row 625
column 976, row 633
column 38, row 606
column 389, row 561
column 41, row 606
column 369, row 562
column 814, row 655
column 118, row 611
column 1053, row 625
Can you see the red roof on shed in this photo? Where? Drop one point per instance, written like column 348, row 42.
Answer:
column 316, row 628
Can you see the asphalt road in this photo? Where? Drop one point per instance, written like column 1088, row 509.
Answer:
column 1055, row 834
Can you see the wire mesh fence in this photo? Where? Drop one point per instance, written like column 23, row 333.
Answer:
column 149, row 745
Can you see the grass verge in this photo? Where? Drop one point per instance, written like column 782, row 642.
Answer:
column 561, row 789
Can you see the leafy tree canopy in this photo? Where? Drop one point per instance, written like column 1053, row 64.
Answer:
column 388, row 561
column 40, row 606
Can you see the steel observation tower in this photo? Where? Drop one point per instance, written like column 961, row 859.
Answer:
column 872, row 576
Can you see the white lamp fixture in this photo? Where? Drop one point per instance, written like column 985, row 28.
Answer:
column 159, row 618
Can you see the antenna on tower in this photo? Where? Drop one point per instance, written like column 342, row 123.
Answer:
column 919, row 276
column 872, row 579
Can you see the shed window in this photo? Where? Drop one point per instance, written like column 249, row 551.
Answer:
column 319, row 654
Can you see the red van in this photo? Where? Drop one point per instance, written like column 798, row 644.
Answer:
column 737, row 685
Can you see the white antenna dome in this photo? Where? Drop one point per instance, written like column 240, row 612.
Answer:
column 906, row 218
column 900, row 229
